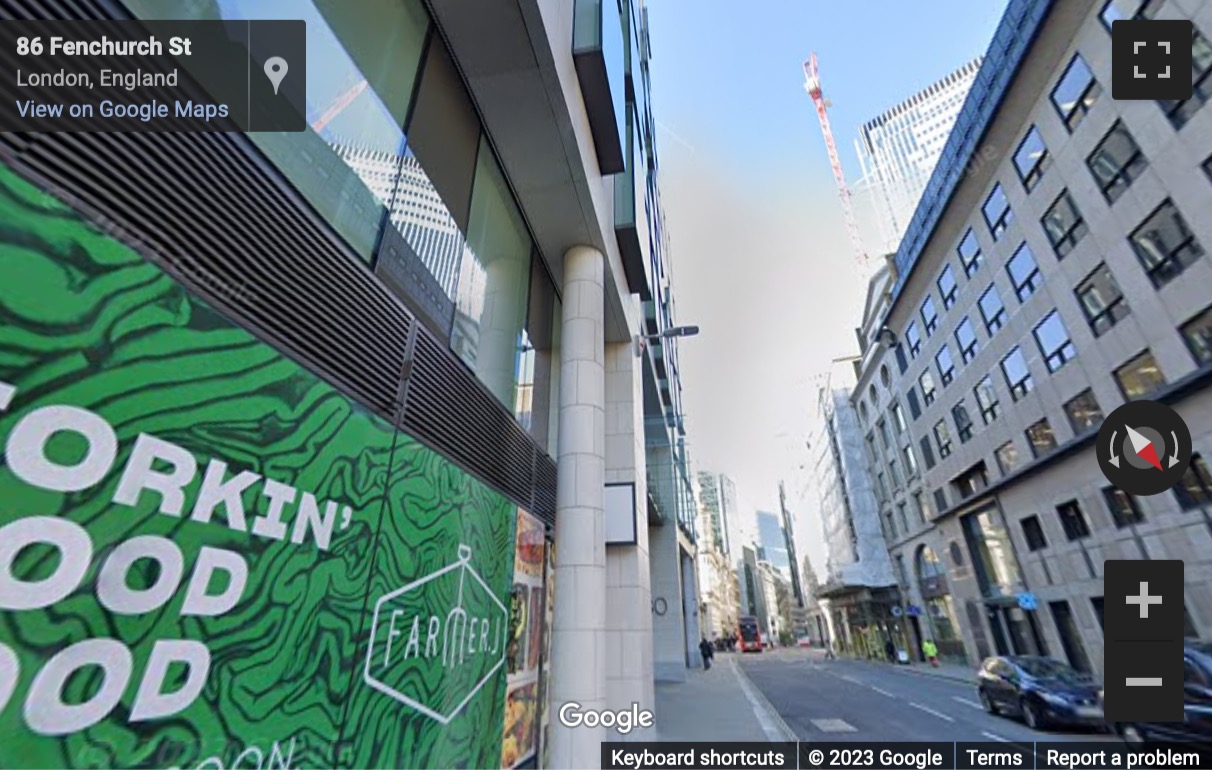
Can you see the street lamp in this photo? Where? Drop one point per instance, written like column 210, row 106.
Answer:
column 641, row 340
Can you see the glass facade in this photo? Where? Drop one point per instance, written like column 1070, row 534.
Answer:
column 394, row 153
column 992, row 554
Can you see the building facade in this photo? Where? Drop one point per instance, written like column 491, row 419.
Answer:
column 859, row 586
column 369, row 367
column 772, row 542
column 897, row 151
column 1063, row 273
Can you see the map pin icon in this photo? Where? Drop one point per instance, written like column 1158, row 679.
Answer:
column 275, row 70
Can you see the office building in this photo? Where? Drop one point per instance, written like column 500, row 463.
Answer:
column 859, row 585
column 772, row 542
column 388, row 360
column 1057, row 268
column 897, row 151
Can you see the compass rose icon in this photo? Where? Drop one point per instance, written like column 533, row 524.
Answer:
column 1144, row 448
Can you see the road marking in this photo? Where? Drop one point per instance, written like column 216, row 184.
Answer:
column 995, row 737
column 850, row 679
column 833, row 726
column 881, row 692
column 967, row 702
column 929, row 710
column 767, row 716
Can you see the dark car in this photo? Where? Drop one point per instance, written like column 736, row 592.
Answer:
column 1043, row 691
column 1197, row 705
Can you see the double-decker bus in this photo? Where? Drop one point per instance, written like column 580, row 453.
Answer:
column 749, row 633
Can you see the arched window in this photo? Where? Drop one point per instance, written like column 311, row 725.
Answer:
column 863, row 411
column 875, row 398
column 885, row 376
column 928, row 565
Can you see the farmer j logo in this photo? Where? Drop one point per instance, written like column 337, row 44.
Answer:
column 437, row 641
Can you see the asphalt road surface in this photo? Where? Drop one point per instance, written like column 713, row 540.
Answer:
column 848, row 700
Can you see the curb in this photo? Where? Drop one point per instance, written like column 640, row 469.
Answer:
column 762, row 707
column 947, row 677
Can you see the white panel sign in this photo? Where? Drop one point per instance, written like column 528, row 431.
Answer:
column 620, row 514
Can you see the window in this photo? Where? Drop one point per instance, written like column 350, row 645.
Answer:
column 971, row 481
column 897, row 481
column 1033, row 533
column 1098, row 605
column 963, row 422
column 1101, row 300
column 1179, row 112
column 966, row 338
column 1139, row 377
column 943, row 437
column 1116, row 162
column 875, row 397
column 1072, row 521
column 1032, row 159
column 872, row 454
column 1041, row 438
column 1083, row 412
column 1024, row 273
column 992, row 310
column 1194, row 489
column 1115, row 10
column 900, row 510
column 919, row 504
column 1198, row 334
column 915, row 409
column 902, row 363
column 889, row 525
column 914, row 338
column 910, row 461
column 926, row 381
column 883, row 428
column 1018, row 376
column 1123, row 507
column 1007, row 457
column 1064, row 225
column 946, row 367
column 898, row 418
column 929, row 316
column 927, row 452
column 1054, row 343
column 885, row 376
column 882, row 491
column 940, row 499
column 970, row 252
column 986, row 399
column 1165, row 245
column 997, row 212
column 1208, row 167
column 1075, row 93
column 947, row 287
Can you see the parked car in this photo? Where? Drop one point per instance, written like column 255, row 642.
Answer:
column 1197, row 704
column 1043, row 691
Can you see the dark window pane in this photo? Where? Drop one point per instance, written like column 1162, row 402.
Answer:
column 1194, row 489
column 915, row 409
column 963, row 422
column 1073, row 522
column 986, row 399
column 1198, row 334
column 947, row 287
column 1123, row 507
column 927, row 452
column 914, row 339
column 1139, row 377
column 1064, row 225
column 1165, row 245
column 1180, row 112
column 1101, row 300
column 1116, row 162
column 1083, row 412
column 1041, row 438
column 1033, row 533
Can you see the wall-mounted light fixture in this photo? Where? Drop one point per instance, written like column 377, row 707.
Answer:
column 641, row 340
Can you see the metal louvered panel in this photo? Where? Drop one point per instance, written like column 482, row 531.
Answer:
column 211, row 211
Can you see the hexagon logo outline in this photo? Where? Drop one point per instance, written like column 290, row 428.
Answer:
column 463, row 563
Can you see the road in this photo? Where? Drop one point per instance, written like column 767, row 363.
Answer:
column 848, row 700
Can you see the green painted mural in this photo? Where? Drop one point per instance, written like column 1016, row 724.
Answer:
column 208, row 556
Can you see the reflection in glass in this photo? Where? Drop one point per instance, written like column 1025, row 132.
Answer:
column 993, row 555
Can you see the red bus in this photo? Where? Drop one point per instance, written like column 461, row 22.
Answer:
column 749, row 634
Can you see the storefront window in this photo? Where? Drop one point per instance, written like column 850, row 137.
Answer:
column 493, row 285
column 992, row 554
column 538, row 393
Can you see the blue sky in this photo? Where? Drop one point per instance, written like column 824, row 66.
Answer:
column 760, row 255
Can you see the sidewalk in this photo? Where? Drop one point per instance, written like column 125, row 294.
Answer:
column 955, row 671
column 716, row 705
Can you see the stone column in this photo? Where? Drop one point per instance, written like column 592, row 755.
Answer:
column 578, row 649
column 628, row 593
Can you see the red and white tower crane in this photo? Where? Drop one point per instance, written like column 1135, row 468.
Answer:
column 812, row 85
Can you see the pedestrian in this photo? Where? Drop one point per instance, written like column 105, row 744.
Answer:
column 890, row 651
column 829, row 654
column 931, row 652
column 707, row 653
